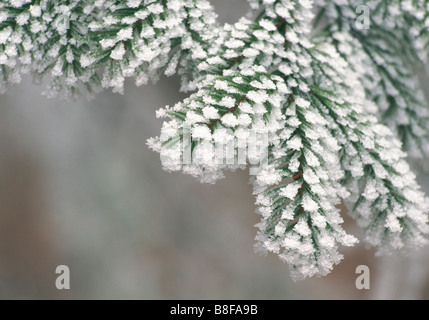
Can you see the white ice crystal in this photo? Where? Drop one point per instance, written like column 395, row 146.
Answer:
column 118, row 52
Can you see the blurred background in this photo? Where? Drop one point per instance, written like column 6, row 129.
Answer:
column 79, row 187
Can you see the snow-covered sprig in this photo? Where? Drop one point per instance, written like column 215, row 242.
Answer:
column 387, row 57
column 297, row 194
column 145, row 38
column 385, row 198
column 17, row 20
column 224, row 121
column 47, row 38
column 391, row 214
column 332, row 148
column 59, row 48
column 78, row 42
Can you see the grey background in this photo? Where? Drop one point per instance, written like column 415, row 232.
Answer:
column 79, row 187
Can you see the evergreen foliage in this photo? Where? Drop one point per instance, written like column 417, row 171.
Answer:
column 339, row 106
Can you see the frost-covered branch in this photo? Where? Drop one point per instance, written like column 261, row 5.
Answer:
column 321, row 115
